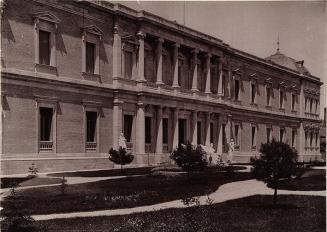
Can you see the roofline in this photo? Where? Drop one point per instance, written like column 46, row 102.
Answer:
column 119, row 9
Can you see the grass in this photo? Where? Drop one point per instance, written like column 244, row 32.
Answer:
column 122, row 193
column 255, row 213
column 8, row 182
column 312, row 180
column 126, row 171
column 105, row 173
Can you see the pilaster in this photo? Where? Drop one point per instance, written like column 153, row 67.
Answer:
column 195, row 128
column 140, row 128
column 159, row 131
column 117, row 120
column 116, row 59
column 207, row 129
column 159, row 61
column 175, row 81
column 140, row 58
column 175, row 128
column 195, row 71
column 208, row 76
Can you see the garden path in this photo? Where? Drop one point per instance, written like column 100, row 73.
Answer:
column 230, row 191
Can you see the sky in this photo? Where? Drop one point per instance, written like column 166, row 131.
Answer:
column 254, row 27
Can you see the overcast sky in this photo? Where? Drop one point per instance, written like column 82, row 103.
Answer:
column 253, row 27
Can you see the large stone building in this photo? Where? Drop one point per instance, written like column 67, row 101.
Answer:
column 75, row 74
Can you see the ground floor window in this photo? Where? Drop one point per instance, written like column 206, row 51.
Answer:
column 211, row 132
column 148, row 130
column 268, row 134
column 165, row 130
column 199, row 134
column 236, row 134
column 128, row 126
column 91, row 124
column 46, row 123
column 182, row 131
column 253, row 137
column 293, row 138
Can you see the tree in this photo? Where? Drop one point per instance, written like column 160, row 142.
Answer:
column 121, row 157
column 189, row 157
column 277, row 161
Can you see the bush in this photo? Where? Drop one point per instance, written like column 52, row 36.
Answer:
column 277, row 161
column 189, row 157
column 120, row 157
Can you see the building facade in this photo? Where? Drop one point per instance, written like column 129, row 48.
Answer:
column 77, row 74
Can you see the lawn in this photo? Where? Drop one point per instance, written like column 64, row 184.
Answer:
column 312, row 180
column 9, row 182
column 123, row 193
column 255, row 213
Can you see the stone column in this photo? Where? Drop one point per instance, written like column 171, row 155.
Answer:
column 220, row 81
column 175, row 128
column 159, row 131
column 117, row 126
column 140, row 129
column 116, row 53
column 159, row 61
column 301, row 143
column 302, row 99
column 195, row 128
column 228, row 128
column 207, row 129
column 220, row 136
column 208, row 78
column 140, row 58
column 175, row 81
column 195, row 70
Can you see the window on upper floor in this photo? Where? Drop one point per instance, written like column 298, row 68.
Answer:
column 305, row 104
column 237, row 134
column 45, row 24
column 311, row 105
column 268, row 95
column 281, row 98
column 91, row 37
column 293, row 102
column 237, row 89
column 199, row 134
column 90, row 57
column 44, row 47
column 253, row 93
column 128, row 64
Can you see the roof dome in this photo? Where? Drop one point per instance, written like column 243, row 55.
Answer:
column 288, row 62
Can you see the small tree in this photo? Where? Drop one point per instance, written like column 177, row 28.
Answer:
column 277, row 161
column 189, row 157
column 121, row 157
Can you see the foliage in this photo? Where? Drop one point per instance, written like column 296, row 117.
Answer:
column 121, row 156
column 15, row 216
column 277, row 161
column 33, row 170
column 189, row 157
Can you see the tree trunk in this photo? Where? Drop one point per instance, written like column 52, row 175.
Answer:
column 275, row 194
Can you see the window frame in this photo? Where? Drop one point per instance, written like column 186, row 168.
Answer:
column 46, row 102
column 47, row 22
column 93, row 107
column 91, row 34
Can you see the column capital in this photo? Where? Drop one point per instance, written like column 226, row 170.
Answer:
column 140, row 35
column 208, row 55
column 116, row 29
column 195, row 51
column 160, row 40
column 176, row 45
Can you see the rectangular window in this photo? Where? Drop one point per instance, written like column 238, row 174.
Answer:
column 281, row 134
column 293, row 101
column 45, row 123
column 311, row 104
column 316, row 135
column 91, row 123
column 211, row 132
column 281, row 99
column 90, row 57
column 268, row 134
column 311, row 139
column 128, row 64
column 199, row 134
column 253, row 93
column 237, row 89
column 236, row 134
column 180, row 72
column 268, row 96
column 293, row 138
column 128, row 127
column 224, row 134
column 148, row 129
column 165, row 130
column 306, row 104
column 44, row 47
column 223, row 83
column 253, row 137
column 306, row 139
